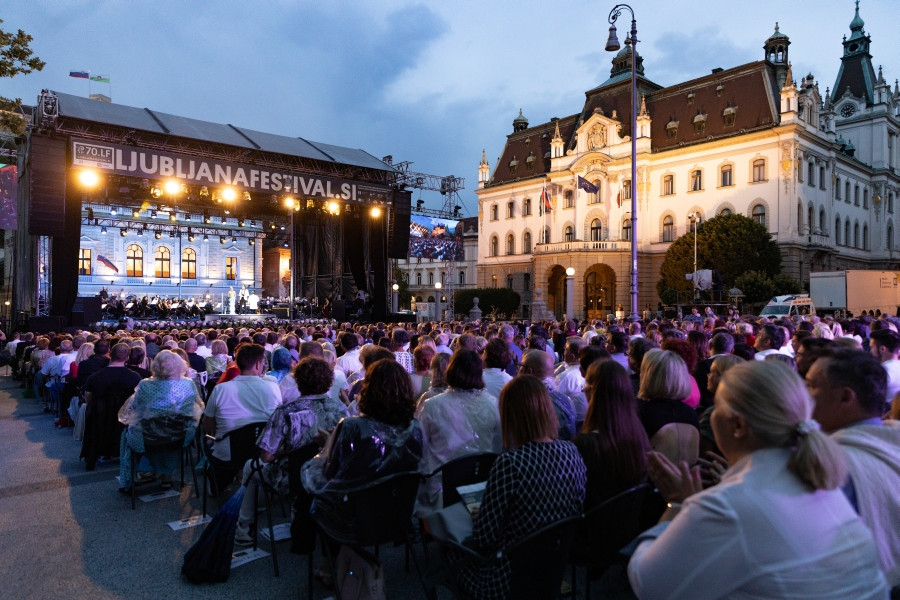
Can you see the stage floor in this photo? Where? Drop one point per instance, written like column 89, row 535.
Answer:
column 249, row 318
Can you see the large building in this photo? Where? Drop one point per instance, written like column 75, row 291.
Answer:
column 820, row 170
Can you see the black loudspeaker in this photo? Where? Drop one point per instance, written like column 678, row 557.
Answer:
column 281, row 312
column 45, row 324
column 398, row 236
column 47, row 178
column 339, row 310
column 91, row 307
column 78, row 318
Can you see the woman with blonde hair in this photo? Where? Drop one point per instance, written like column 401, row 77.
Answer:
column 777, row 525
column 665, row 382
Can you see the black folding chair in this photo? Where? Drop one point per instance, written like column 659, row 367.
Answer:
column 242, row 442
column 607, row 528
column 375, row 513
column 155, row 443
column 465, row 470
column 537, row 562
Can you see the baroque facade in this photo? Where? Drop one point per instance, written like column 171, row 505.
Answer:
column 820, row 171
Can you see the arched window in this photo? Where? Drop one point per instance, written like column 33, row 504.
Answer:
column 510, row 244
column 800, row 217
column 510, row 210
column 890, row 238
column 759, row 214
column 462, row 278
column 810, row 221
column 626, row 230
column 696, row 180
column 668, row 232
column 189, row 264
column 847, row 197
column 856, row 235
column 811, row 173
column 847, row 239
column 596, row 230
column 856, row 195
column 162, row 262
column 495, row 246
column 726, row 176
column 134, row 261
column 759, row 170
column 837, row 188
column 494, row 212
column 546, row 235
column 866, row 198
column 596, row 197
column 419, row 279
column 668, row 185
column 865, row 238
column 526, row 207
column 526, row 243
column 837, row 231
column 569, row 199
column 823, row 229
column 569, row 233
column 431, row 279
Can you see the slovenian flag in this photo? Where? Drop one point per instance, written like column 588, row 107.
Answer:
column 80, row 74
column 545, row 199
column 107, row 262
column 100, row 78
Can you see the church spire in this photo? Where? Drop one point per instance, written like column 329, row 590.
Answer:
column 856, row 71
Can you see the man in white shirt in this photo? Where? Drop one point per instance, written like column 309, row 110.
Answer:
column 570, row 381
column 348, row 363
column 55, row 369
column 496, row 356
column 202, row 349
column 769, row 340
column 248, row 398
column 884, row 345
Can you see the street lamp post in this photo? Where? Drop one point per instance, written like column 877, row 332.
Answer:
column 695, row 218
column 437, row 301
column 395, row 298
column 612, row 45
column 570, row 293
column 292, row 206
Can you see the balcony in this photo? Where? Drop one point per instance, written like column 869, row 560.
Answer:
column 583, row 246
column 818, row 239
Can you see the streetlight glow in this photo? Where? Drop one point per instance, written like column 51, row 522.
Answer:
column 88, row 178
column 376, row 212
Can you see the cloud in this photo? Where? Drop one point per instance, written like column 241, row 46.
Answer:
column 677, row 57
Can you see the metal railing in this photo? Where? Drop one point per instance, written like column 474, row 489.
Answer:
column 584, row 246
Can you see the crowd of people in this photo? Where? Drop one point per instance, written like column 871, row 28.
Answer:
column 774, row 445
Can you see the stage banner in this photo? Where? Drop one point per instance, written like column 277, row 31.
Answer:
column 196, row 170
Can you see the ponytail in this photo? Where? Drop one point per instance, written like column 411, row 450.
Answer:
column 817, row 459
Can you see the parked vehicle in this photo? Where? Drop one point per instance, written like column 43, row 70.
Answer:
column 854, row 291
column 789, row 306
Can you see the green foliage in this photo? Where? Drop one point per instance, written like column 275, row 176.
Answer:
column 668, row 296
column 490, row 301
column 733, row 244
column 15, row 59
column 756, row 285
column 785, row 284
column 404, row 296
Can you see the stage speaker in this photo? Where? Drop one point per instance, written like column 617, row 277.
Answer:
column 91, row 307
column 47, row 191
column 45, row 324
column 78, row 318
column 281, row 312
column 339, row 311
column 398, row 236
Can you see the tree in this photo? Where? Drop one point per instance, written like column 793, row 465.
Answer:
column 403, row 294
column 756, row 285
column 15, row 59
column 732, row 244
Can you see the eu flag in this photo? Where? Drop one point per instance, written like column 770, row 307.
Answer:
column 587, row 186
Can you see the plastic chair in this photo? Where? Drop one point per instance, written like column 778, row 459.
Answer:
column 376, row 513
column 155, row 445
column 465, row 470
column 243, row 447
column 537, row 562
column 608, row 527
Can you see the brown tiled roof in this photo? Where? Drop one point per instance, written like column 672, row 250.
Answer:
column 750, row 89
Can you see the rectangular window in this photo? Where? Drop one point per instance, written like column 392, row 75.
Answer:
column 462, row 278
column 509, row 281
column 231, row 268
column 696, row 180
column 759, row 170
column 84, row 262
column 526, row 283
column 727, row 176
column 811, row 174
column 668, row 185
column 626, row 190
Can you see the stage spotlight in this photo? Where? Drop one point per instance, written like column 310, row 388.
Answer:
column 285, row 244
column 224, row 220
column 251, row 241
column 172, row 187
column 375, row 212
column 240, row 222
column 135, row 213
column 205, row 238
column 113, row 211
column 310, row 203
column 233, row 239
column 419, row 203
column 216, row 197
column 206, row 217
column 190, row 235
column 204, row 192
column 141, row 231
column 103, row 230
column 221, row 239
column 88, row 178
column 187, row 217
column 172, row 234
column 173, row 216
column 334, row 208
column 282, row 227
column 156, row 192
column 289, row 202
column 90, row 212
column 229, row 195
column 123, row 232
column 158, row 235
column 247, row 197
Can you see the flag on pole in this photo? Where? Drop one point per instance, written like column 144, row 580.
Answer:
column 100, row 78
column 545, row 199
column 619, row 199
column 80, row 74
column 587, row 186
column 107, row 262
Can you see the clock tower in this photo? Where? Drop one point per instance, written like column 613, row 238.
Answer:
column 856, row 77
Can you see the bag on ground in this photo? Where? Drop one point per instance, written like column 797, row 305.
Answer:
column 209, row 559
column 360, row 575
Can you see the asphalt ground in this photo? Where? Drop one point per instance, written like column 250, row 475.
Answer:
column 68, row 533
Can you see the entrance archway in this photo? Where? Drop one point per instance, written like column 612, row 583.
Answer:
column 599, row 291
column 556, row 291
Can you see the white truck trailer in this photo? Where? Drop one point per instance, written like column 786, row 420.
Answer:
column 855, row 291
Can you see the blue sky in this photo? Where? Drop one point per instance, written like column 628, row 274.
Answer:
column 427, row 82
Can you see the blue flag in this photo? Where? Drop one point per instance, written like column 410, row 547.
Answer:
column 587, row 186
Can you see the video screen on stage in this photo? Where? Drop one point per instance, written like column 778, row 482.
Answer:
column 435, row 238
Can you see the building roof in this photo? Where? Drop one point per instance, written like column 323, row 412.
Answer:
column 145, row 119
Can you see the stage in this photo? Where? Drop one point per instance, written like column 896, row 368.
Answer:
column 248, row 318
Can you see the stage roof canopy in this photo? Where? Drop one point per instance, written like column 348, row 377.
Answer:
column 145, row 119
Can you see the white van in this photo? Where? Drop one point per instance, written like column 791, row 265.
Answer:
column 789, row 306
